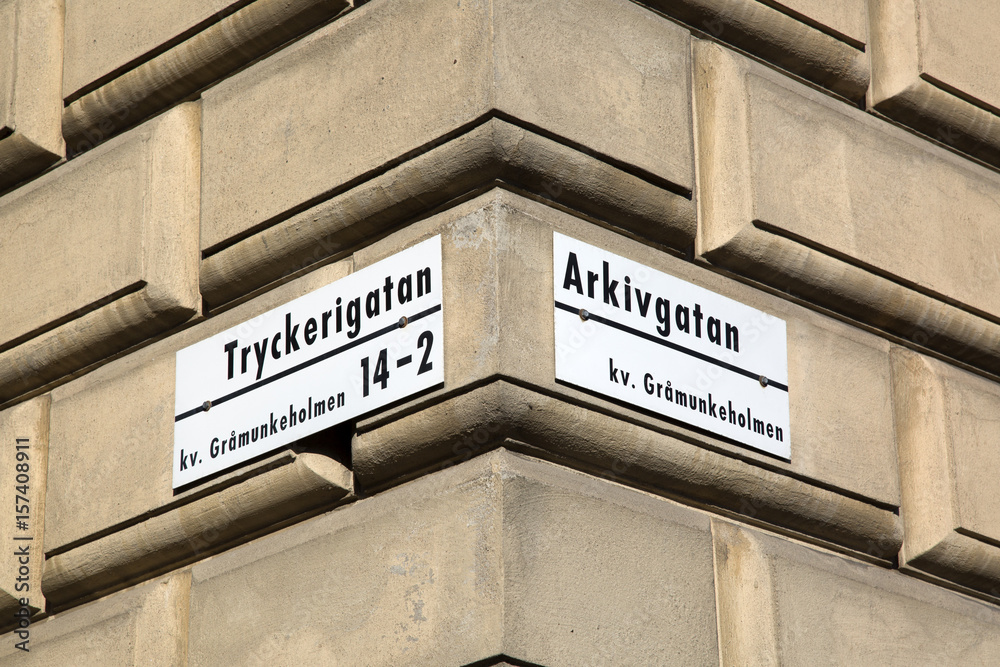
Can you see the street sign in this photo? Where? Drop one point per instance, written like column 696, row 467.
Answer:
column 653, row 341
column 346, row 349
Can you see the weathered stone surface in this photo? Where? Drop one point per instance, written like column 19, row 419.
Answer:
column 107, row 36
column 266, row 160
column 413, row 576
column 8, row 61
column 502, row 555
column 24, row 434
column 934, row 68
column 31, row 49
column 498, row 324
column 781, row 603
column 496, row 151
column 595, row 573
column 145, row 625
column 145, row 78
column 602, row 74
column 947, row 434
column 840, row 208
column 264, row 157
column 115, row 425
column 821, row 41
column 99, row 273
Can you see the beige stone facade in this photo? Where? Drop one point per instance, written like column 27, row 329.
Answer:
column 171, row 170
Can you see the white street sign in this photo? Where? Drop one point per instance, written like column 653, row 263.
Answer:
column 363, row 342
column 655, row 342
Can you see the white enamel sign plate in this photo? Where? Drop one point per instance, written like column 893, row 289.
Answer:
column 661, row 344
column 326, row 357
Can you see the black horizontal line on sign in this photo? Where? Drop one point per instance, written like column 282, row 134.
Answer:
column 673, row 346
column 305, row 364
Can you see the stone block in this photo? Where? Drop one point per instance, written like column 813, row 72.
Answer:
column 604, row 75
column 126, row 61
column 87, row 276
column 499, row 556
column 145, row 625
column 840, row 208
column 266, row 160
column 114, row 426
column 934, row 68
column 782, row 603
column 24, row 433
column 263, row 156
column 823, row 42
column 31, row 43
column 498, row 318
column 412, row 576
column 947, row 432
column 598, row 574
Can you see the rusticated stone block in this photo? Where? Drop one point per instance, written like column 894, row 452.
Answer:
column 412, row 576
column 107, row 36
column 503, row 555
column 840, row 208
column 31, row 49
column 819, row 40
column 498, row 305
column 781, row 603
column 145, row 625
column 24, row 436
column 602, row 74
column 100, row 253
column 934, row 67
column 947, row 433
column 127, row 61
column 116, row 268
column 598, row 574
column 115, row 425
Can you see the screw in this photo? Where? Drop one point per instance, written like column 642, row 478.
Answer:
column 763, row 381
column 206, row 406
column 402, row 322
column 584, row 315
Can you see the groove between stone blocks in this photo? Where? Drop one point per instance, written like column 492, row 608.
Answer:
column 601, row 444
column 201, row 527
column 495, row 151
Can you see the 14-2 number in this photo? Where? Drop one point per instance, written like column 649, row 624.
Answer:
column 381, row 375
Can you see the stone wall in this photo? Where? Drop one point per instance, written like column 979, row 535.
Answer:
column 171, row 170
